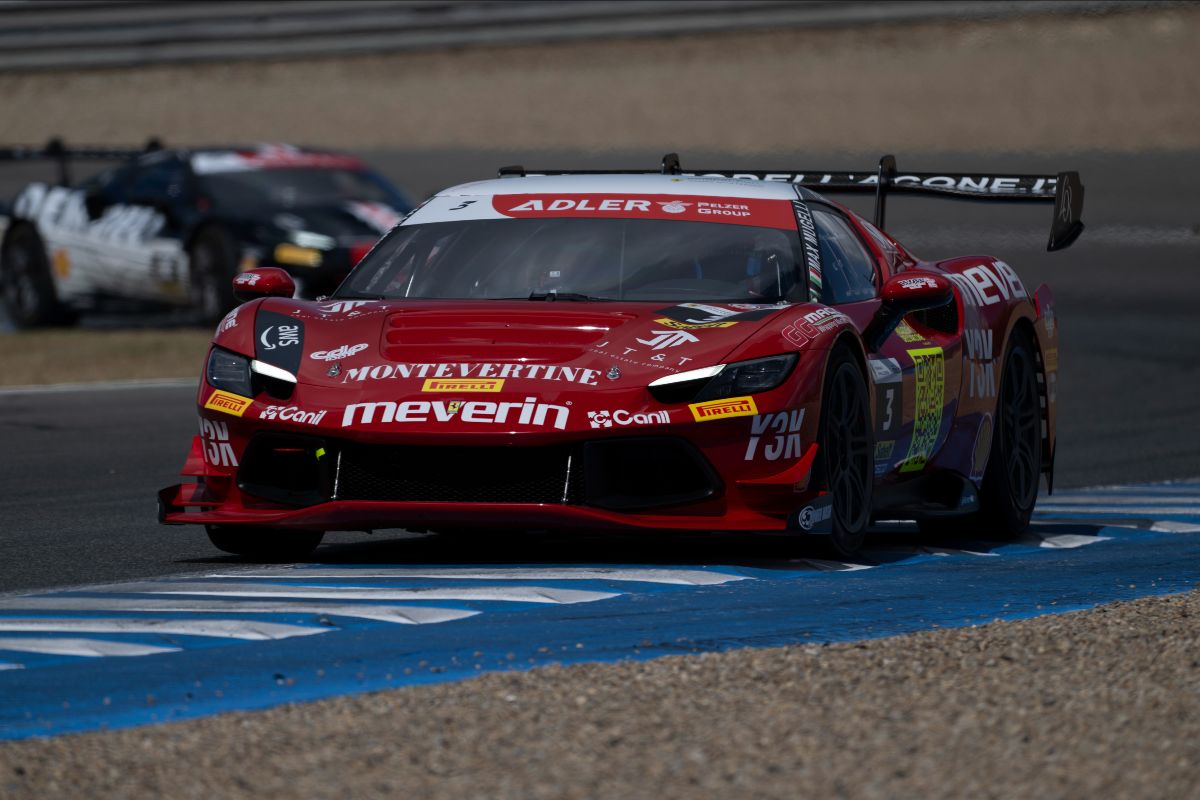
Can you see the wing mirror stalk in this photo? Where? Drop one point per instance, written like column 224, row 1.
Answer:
column 904, row 293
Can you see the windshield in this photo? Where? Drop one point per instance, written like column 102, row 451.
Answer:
column 298, row 187
column 581, row 259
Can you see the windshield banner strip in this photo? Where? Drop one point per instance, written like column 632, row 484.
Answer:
column 727, row 210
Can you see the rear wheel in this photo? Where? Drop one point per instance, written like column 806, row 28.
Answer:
column 26, row 286
column 844, row 453
column 264, row 544
column 1014, row 470
column 212, row 260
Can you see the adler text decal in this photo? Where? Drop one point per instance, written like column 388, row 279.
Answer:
column 693, row 208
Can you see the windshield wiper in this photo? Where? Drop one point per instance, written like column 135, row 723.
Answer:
column 553, row 295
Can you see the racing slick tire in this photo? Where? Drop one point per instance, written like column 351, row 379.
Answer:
column 844, row 453
column 1014, row 468
column 212, row 259
column 264, row 544
column 26, row 286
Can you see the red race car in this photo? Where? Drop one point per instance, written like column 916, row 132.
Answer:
column 636, row 350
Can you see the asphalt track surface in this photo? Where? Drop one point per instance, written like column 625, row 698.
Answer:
column 81, row 467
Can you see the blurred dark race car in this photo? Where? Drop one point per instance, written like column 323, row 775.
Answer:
column 636, row 352
column 174, row 226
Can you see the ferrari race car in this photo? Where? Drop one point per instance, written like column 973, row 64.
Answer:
column 644, row 351
column 175, row 226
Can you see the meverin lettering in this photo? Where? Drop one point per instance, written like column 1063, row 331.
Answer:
column 484, row 412
column 292, row 414
column 783, row 429
column 984, row 287
column 539, row 372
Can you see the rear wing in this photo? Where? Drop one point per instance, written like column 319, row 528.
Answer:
column 54, row 150
column 1064, row 190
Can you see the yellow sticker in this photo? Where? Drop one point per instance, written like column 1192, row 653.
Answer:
column 1052, row 359
column 228, row 403
column 930, row 377
column 720, row 409
column 905, row 332
column 62, row 263
column 465, row 385
column 687, row 326
column 300, row 256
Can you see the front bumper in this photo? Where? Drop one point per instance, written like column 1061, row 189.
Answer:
column 635, row 483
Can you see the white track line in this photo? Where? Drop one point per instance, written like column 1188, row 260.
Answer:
column 686, row 577
column 9, row 665
column 403, row 615
column 92, row 648
column 1138, row 510
column 1191, row 497
column 512, row 594
column 1063, row 541
column 251, row 630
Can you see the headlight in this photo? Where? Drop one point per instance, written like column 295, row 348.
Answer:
column 229, row 371
column 728, row 380
column 246, row 377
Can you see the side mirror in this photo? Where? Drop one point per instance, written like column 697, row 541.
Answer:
column 263, row 282
column 904, row 293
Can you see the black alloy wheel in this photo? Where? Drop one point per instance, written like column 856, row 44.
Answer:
column 26, row 286
column 844, row 455
column 264, row 544
column 1010, row 484
column 212, row 264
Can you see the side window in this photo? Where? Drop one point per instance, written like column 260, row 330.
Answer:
column 848, row 270
column 159, row 182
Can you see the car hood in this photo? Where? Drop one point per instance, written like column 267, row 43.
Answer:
column 526, row 345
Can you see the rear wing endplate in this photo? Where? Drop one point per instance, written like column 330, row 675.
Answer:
column 1064, row 189
column 55, row 150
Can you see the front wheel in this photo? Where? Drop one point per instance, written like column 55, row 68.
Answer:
column 26, row 286
column 212, row 260
column 844, row 457
column 264, row 544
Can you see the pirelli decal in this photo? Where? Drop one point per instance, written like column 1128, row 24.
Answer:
column 463, row 385
column 721, row 409
column 228, row 403
column 930, row 379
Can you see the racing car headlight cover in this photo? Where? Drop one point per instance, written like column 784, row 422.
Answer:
column 229, row 371
column 724, row 380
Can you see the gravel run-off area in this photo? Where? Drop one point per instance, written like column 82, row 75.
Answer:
column 1098, row 703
